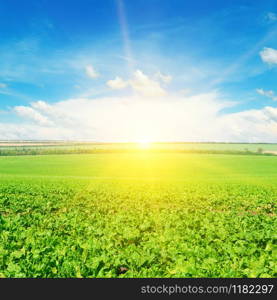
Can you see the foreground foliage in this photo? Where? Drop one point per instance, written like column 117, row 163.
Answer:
column 192, row 225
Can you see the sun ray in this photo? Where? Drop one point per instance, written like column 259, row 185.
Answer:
column 125, row 35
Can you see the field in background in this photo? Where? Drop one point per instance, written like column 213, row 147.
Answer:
column 139, row 214
column 178, row 146
column 45, row 148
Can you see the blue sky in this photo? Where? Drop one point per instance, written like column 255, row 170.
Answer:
column 60, row 52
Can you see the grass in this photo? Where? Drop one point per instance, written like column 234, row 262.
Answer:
column 138, row 215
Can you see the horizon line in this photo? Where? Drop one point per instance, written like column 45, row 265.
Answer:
column 110, row 142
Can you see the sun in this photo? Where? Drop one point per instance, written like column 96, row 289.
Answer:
column 144, row 144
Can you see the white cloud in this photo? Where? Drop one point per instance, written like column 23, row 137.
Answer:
column 270, row 94
column 91, row 72
column 257, row 125
column 140, row 83
column 164, row 78
column 2, row 85
column 269, row 55
column 137, row 117
column 117, row 83
column 145, row 86
column 31, row 114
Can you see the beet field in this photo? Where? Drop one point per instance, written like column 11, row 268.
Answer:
column 138, row 215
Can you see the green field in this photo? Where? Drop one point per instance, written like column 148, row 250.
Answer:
column 138, row 215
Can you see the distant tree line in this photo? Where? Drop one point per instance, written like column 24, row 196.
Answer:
column 55, row 151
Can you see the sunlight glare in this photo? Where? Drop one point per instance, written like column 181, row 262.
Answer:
column 144, row 144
